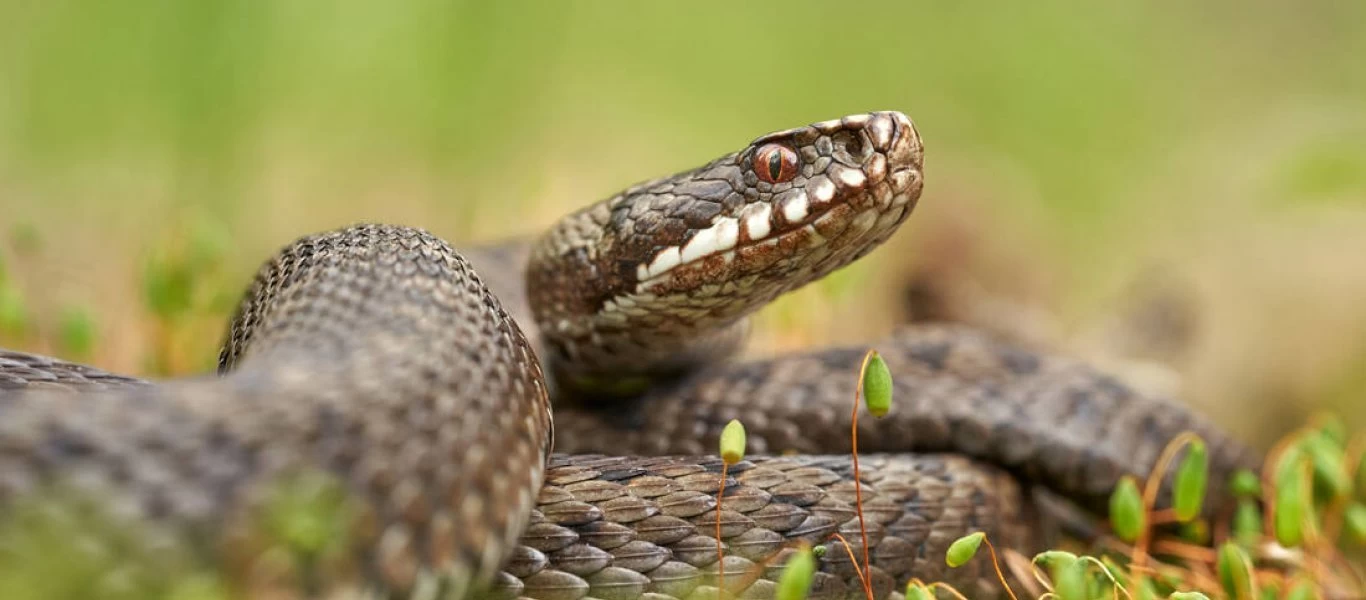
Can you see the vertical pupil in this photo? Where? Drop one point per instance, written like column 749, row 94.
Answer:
column 775, row 164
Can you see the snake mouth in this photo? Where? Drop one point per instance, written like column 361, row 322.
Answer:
column 753, row 243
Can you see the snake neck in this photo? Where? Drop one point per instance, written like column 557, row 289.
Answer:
column 659, row 278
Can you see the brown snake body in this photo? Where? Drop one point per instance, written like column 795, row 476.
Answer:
column 377, row 354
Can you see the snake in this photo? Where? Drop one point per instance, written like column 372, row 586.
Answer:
column 539, row 417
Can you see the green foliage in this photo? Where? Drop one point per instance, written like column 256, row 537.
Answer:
column 1195, row 531
column 1247, row 522
column 1246, row 484
column 1331, row 479
column 1354, row 523
column 1239, row 574
column 1294, row 502
column 1070, row 581
column 1191, row 477
column 168, row 286
column 1360, row 482
column 60, row 543
column 1302, row 590
column 798, row 573
column 1147, row 590
column 56, row 545
column 183, row 292
column 76, row 333
column 14, row 317
column 916, row 590
column 1127, row 515
column 1270, row 590
column 309, row 516
column 1234, row 574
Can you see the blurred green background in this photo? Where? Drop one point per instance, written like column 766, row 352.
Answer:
column 154, row 152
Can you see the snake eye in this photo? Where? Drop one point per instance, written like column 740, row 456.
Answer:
column 775, row 164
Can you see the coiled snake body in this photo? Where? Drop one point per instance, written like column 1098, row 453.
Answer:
column 376, row 354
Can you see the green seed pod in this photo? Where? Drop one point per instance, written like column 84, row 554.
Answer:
column 1187, row 596
column 916, row 590
column 800, row 570
column 1331, row 479
column 877, row 385
column 733, row 442
column 1053, row 559
column 1233, row 572
column 1354, row 523
column 963, row 549
column 1127, row 516
column 1191, row 476
column 1292, row 506
column 1247, row 522
column 1069, row 581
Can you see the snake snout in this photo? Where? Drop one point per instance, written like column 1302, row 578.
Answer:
column 896, row 138
column 893, row 135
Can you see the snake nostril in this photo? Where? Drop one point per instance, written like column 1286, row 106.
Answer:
column 853, row 145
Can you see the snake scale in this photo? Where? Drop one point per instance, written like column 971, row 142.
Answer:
column 413, row 374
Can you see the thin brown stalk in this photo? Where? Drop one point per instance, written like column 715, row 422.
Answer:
column 939, row 585
column 720, row 556
column 1153, row 486
column 863, row 579
column 858, row 478
column 1186, row 551
column 995, row 563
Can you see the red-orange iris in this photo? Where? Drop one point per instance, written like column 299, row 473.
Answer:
column 775, row 163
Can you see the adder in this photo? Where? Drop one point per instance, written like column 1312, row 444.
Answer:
column 421, row 378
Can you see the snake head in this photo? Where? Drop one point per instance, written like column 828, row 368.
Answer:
column 791, row 207
column 668, row 268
